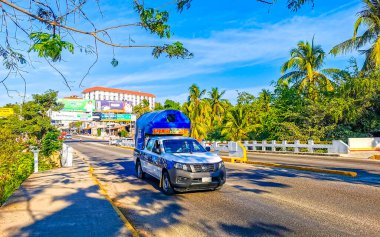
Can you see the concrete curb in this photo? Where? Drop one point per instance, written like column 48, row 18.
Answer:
column 295, row 167
column 295, row 153
column 127, row 223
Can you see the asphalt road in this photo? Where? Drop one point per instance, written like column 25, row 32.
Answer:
column 255, row 201
column 368, row 170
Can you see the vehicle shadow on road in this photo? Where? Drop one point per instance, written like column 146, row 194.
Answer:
column 258, row 177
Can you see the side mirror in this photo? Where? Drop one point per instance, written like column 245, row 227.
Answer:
column 208, row 148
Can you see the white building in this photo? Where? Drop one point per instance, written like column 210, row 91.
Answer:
column 103, row 93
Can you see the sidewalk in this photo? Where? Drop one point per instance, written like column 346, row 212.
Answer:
column 60, row 202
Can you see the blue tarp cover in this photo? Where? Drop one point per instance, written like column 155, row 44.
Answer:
column 172, row 119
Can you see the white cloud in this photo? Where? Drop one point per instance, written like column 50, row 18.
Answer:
column 263, row 43
column 251, row 44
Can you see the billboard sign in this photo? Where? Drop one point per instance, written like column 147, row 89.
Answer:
column 5, row 112
column 71, row 116
column 114, row 106
column 76, row 105
column 117, row 117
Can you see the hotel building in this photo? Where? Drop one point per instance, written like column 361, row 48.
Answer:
column 111, row 94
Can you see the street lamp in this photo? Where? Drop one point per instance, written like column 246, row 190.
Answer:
column 35, row 151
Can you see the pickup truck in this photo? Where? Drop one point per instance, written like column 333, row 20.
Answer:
column 179, row 162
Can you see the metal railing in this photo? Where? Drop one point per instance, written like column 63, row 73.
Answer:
column 336, row 146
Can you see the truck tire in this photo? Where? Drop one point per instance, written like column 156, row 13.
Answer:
column 166, row 185
column 139, row 172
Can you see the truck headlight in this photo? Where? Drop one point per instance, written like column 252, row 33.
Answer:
column 181, row 166
column 220, row 165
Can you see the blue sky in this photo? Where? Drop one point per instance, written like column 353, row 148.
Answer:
column 237, row 46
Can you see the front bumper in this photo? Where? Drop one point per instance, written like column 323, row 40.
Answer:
column 183, row 181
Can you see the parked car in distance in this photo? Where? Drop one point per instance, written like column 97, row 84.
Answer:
column 68, row 136
column 127, row 141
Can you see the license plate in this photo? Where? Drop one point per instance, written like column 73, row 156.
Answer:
column 206, row 180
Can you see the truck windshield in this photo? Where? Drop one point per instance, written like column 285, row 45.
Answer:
column 182, row 146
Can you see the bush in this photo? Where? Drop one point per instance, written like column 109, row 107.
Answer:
column 50, row 143
column 13, row 174
column 123, row 133
column 15, row 165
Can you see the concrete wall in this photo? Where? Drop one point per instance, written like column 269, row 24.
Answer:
column 364, row 144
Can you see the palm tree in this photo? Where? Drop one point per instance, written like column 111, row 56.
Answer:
column 217, row 104
column 198, row 110
column 237, row 126
column 305, row 61
column 370, row 18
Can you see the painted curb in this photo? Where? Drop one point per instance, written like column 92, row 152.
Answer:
column 103, row 191
column 375, row 157
column 295, row 167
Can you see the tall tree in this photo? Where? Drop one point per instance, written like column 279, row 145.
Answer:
column 198, row 111
column 305, row 65
column 170, row 104
column 141, row 108
column 369, row 18
column 217, row 104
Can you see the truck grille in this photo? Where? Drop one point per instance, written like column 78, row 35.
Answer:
column 203, row 168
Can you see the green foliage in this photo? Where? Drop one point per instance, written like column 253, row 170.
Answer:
column 158, row 106
column 15, row 165
column 114, row 62
column 123, row 133
column 304, row 63
column 26, row 127
column 49, row 45
column 351, row 110
column 170, row 104
column 154, row 20
column 295, row 5
column 98, row 132
column 50, row 143
column 141, row 108
column 175, row 50
column 11, row 58
column 368, row 18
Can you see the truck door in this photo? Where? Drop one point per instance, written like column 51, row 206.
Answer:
column 146, row 157
column 156, row 164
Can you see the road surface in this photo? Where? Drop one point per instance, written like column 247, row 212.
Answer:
column 256, row 201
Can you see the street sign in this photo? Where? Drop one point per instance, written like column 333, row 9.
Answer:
column 117, row 117
column 6, row 112
column 71, row 116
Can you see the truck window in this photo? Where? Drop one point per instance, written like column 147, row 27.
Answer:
column 182, row 146
column 170, row 118
column 150, row 145
column 156, row 146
